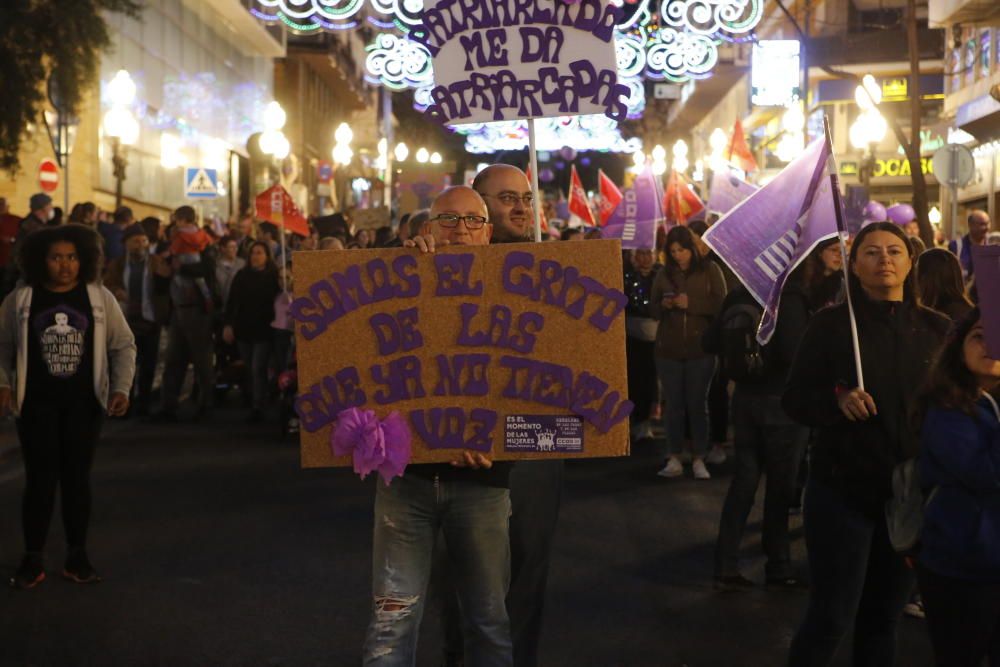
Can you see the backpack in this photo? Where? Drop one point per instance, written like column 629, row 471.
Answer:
column 741, row 357
column 904, row 511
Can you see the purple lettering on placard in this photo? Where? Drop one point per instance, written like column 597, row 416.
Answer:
column 462, row 375
column 563, row 287
column 502, row 90
column 396, row 333
column 543, row 433
column 486, row 48
column 400, row 378
column 322, row 402
column 333, row 297
column 445, row 428
column 557, row 386
column 541, row 45
column 499, row 333
column 454, row 273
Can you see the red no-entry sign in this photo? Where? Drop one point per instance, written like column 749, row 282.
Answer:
column 48, row 175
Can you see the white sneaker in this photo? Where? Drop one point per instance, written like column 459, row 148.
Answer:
column 643, row 431
column 699, row 469
column 716, row 455
column 672, row 469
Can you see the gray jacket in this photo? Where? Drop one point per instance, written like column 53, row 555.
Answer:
column 113, row 342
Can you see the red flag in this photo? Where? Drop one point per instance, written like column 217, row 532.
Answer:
column 578, row 205
column 275, row 205
column 738, row 151
column 611, row 196
column 544, row 222
column 680, row 203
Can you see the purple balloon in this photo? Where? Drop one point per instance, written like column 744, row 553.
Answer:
column 560, row 164
column 546, row 175
column 568, row 153
column 585, row 161
column 901, row 213
column 873, row 212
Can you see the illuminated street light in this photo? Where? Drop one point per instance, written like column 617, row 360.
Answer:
column 659, row 153
column 435, row 158
column 342, row 153
column 718, row 140
column 638, row 158
column 401, row 152
column 680, row 151
column 274, row 116
column 934, row 216
column 171, row 153
column 343, row 134
column 121, row 126
column 422, row 155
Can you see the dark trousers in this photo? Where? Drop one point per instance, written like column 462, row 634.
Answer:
column 718, row 407
column 767, row 443
column 535, row 495
column 147, row 343
column 642, row 388
column 189, row 340
column 963, row 619
column 856, row 579
column 256, row 356
column 58, row 440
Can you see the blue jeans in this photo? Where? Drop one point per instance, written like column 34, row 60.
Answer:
column 685, row 386
column 767, row 441
column 256, row 358
column 409, row 513
column 855, row 579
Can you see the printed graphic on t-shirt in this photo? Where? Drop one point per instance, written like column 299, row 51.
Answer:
column 61, row 331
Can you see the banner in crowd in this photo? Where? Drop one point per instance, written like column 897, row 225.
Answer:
column 275, row 205
column 634, row 220
column 509, row 59
column 515, row 350
column 680, row 203
column 727, row 191
column 986, row 260
column 611, row 196
column 765, row 237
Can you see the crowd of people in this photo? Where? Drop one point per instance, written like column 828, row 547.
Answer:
column 795, row 408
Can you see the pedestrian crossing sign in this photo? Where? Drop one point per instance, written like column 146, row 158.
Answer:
column 201, row 183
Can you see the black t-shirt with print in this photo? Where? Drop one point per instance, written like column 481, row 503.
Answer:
column 60, row 345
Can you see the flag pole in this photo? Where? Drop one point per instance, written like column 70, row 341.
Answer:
column 831, row 167
column 533, row 161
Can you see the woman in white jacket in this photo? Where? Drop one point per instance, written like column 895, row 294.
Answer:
column 67, row 356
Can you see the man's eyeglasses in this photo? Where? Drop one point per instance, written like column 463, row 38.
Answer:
column 472, row 222
column 512, row 198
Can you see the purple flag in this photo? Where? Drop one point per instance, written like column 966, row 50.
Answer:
column 765, row 237
column 634, row 220
column 727, row 191
column 986, row 259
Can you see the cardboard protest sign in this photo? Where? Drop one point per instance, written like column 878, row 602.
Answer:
column 986, row 260
column 369, row 218
column 510, row 59
column 516, row 350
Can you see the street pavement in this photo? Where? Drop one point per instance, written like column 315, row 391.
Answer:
column 217, row 549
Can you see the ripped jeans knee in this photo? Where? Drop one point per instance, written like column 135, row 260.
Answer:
column 391, row 637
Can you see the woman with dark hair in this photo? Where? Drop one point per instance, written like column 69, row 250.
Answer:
column 67, row 356
column 939, row 284
column 857, row 579
column 687, row 293
column 249, row 313
column 959, row 561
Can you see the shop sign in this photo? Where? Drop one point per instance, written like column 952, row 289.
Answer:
column 895, row 89
column 899, row 167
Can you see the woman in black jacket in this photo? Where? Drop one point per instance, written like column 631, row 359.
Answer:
column 249, row 313
column 856, row 577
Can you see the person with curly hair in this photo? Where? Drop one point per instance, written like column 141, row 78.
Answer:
column 67, row 357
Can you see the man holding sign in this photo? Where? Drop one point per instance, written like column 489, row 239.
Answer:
column 468, row 500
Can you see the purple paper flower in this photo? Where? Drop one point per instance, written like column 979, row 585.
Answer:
column 382, row 446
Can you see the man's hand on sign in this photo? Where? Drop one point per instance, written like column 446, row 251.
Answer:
column 856, row 404
column 425, row 242
column 473, row 460
column 681, row 301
